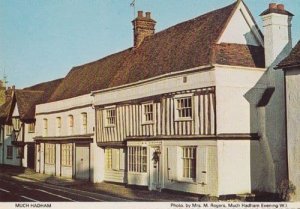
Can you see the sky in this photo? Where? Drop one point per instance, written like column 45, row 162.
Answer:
column 42, row 40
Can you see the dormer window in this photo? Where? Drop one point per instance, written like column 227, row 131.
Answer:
column 110, row 116
column 183, row 108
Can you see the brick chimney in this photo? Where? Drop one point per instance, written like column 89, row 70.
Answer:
column 143, row 26
column 277, row 33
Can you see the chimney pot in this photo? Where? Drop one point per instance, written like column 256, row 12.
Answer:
column 148, row 15
column 280, row 7
column 140, row 13
column 142, row 28
column 272, row 6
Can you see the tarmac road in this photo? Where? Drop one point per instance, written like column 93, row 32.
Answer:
column 15, row 189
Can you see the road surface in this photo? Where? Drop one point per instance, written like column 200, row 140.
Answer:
column 15, row 189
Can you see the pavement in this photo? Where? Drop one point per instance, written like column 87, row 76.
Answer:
column 63, row 189
column 51, row 185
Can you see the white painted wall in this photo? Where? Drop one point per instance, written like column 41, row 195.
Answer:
column 293, row 130
column 14, row 161
column 64, row 104
column 238, row 90
column 63, row 109
column 278, row 44
column 199, row 79
column 277, row 37
column 77, row 116
column 234, row 164
column 97, row 163
column 241, row 29
column 211, row 187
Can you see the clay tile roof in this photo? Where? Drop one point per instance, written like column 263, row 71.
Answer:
column 47, row 88
column 186, row 45
column 5, row 110
column 27, row 99
column 293, row 59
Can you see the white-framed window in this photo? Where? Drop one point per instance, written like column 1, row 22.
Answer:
column 148, row 113
column 45, row 127
column 31, row 127
column 71, row 124
column 8, row 129
column 84, row 123
column 110, row 117
column 16, row 123
column 183, row 108
column 189, row 162
column 58, row 126
column 9, row 152
column 49, row 153
column 114, row 159
column 66, row 155
column 137, row 159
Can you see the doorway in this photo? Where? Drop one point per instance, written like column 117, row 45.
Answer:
column 82, row 161
column 30, row 155
column 155, row 162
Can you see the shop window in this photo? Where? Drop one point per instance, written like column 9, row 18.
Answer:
column 137, row 157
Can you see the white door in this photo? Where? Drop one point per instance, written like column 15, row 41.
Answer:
column 155, row 158
column 82, row 162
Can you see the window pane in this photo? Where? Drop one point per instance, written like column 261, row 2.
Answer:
column 189, row 162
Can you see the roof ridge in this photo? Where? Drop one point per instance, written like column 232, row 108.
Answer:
column 101, row 59
column 156, row 34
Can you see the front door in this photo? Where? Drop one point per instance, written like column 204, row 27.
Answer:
column 155, row 168
column 82, row 162
column 30, row 155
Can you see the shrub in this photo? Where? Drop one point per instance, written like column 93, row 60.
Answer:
column 286, row 189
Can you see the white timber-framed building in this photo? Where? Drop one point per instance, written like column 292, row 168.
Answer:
column 197, row 107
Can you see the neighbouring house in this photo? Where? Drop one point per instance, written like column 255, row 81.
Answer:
column 291, row 69
column 65, row 130
column 196, row 107
column 18, row 119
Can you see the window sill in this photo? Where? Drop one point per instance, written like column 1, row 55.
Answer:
column 69, row 166
column 148, row 123
column 187, row 180
column 9, row 158
column 110, row 126
column 183, row 119
column 135, row 173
